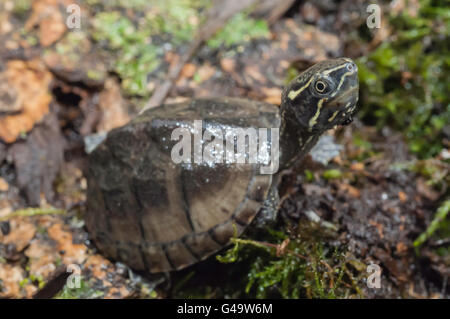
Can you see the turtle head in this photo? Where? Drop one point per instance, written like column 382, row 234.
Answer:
column 324, row 95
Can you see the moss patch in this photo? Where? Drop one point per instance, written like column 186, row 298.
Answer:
column 406, row 80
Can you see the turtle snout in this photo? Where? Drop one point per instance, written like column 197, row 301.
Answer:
column 348, row 120
column 351, row 66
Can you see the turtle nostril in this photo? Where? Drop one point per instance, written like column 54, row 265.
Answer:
column 351, row 66
column 348, row 121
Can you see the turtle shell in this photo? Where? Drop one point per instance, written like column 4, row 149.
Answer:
column 156, row 215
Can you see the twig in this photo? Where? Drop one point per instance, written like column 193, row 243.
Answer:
column 263, row 244
column 54, row 285
column 217, row 16
column 33, row 212
column 441, row 214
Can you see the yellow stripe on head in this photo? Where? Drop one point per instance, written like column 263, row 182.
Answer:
column 333, row 116
column 313, row 120
column 334, row 69
column 293, row 94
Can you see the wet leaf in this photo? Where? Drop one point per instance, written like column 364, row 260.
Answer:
column 30, row 81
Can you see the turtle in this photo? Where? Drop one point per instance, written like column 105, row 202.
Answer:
column 157, row 214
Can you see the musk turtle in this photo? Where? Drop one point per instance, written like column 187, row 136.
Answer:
column 158, row 214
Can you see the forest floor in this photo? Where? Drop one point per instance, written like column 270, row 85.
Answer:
column 368, row 205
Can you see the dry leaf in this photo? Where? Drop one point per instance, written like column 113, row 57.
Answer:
column 48, row 17
column 38, row 159
column 72, row 253
column 98, row 266
column 402, row 196
column 4, row 186
column 112, row 106
column 357, row 167
column 273, row 95
column 401, row 248
column 188, row 70
column 205, row 72
column 349, row 189
column 30, row 80
column 378, row 226
column 10, row 277
column 20, row 234
column 41, row 258
column 227, row 64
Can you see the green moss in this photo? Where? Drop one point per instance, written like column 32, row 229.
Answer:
column 41, row 230
column 177, row 18
column 84, row 292
column 95, row 75
column 136, row 42
column 309, row 176
column 70, row 43
column 365, row 149
column 58, row 261
column 283, row 262
column 434, row 171
column 439, row 221
column 23, row 282
column 69, row 48
column 239, row 29
column 406, row 80
column 296, row 267
column 39, row 280
column 291, row 73
column 332, row 174
column 136, row 56
column 36, row 279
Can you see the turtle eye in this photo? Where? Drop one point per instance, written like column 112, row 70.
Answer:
column 320, row 86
